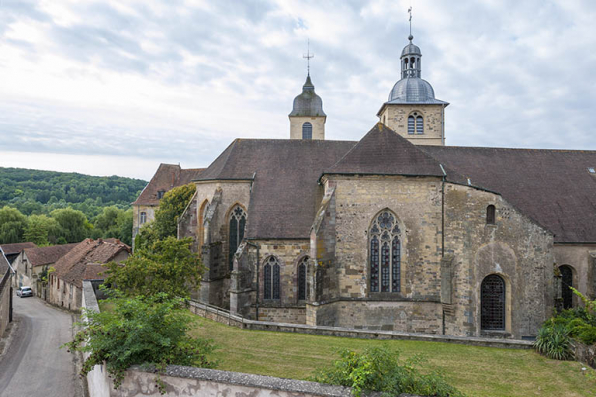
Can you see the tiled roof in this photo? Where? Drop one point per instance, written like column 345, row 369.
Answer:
column 285, row 192
column 16, row 248
column 45, row 255
column 4, row 265
column 553, row 187
column 167, row 177
column 72, row 267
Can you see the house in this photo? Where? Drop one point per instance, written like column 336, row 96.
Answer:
column 83, row 262
column 11, row 251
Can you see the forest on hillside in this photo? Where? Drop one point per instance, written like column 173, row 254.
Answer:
column 49, row 207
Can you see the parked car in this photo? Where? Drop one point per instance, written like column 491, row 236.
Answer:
column 24, row 291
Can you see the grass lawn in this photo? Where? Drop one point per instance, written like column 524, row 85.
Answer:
column 477, row 371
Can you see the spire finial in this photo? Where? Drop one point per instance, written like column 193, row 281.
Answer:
column 308, row 56
column 410, row 37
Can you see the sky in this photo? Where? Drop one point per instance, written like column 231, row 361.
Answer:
column 115, row 87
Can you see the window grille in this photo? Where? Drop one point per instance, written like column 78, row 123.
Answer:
column 385, row 266
column 307, row 131
column 492, row 303
column 237, row 225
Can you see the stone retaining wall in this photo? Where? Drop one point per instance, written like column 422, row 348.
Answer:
column 4, row 301
column 585, row 354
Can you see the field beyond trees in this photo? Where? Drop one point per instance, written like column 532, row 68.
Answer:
column 476, row 371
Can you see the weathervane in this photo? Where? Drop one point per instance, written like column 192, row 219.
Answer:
column 308, row 57
column 410, row 12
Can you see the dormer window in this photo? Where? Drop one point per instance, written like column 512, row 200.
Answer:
column 160, row 194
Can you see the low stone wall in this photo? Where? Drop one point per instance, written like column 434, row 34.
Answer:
column 4, row 302
column 225, row 317
column 585, row 354
column 292, row 315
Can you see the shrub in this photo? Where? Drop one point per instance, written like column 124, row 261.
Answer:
column 553, row 341
column 587, row 334
column 140, row 330
column 381, row 370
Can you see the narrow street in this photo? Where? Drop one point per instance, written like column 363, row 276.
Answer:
column 33, row 364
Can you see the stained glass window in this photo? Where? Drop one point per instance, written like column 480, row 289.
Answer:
column 385, row 266
column 271, row 279
column 237, row 225
column 302, row 279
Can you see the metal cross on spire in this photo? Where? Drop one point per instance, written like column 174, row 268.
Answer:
column 308, row 56
column 410, row 12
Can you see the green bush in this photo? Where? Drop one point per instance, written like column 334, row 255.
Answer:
column 554, row 341
column 141, row 330
column 586, row 334
column 381, row 370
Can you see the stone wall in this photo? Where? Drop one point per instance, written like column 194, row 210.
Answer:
column 318, row 127
column 5, row 290
column 136, row 216
column 396, row 118
column 582, row 260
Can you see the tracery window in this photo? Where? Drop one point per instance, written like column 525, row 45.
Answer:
column 385, row 254
column 237, row 225
column 492, row 301
column 271, row 282
column 302, row 266
column 307, row 131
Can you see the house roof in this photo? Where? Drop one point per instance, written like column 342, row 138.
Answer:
column 553, row 187
column 285, row 193
column 40, row 256
column 16, row 248
column 4, row 265
column 167, row 177
column 383, row 151
column 72, row 267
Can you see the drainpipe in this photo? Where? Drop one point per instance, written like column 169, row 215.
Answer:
column 443, row 228
column 258, row 247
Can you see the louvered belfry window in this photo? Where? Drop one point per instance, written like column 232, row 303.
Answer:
column 411, row 125
column 492, row 301
column 419, row 125
column 302, row 278
column 307, row 131
column 271, row 279
column 385, row 253
column 237, row 225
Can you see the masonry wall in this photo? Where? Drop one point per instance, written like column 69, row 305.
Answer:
column 4, row 302
column 136, row 217
column 515, row 248
column 318, row 127
column 582, row 260
column 396, row 118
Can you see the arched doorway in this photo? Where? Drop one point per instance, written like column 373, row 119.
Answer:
column 566, row 283
column 492, row 302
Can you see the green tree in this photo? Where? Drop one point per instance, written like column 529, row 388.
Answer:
column 171, row 206
column 141, row 330
column 169, row 266
column 42, row 230
column 12, row 225
column 125, row 227
column 106, row 224
column 74, row 226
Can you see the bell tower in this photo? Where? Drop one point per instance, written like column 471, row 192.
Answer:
column 307, row 119
column 412, row 109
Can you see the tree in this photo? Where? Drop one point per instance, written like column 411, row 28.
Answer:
column 42, row 230
column 171, row 207
column 140, row 330
column 12, row 225
column 125, row 226
column 74, row 226
column 106, row 223
column 169, row 266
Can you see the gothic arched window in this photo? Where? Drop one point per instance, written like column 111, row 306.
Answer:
column 411, row 125
column 492, row 302
column 307, row 131
column 385, row 254
column 419, row 125
column 237, row 224
column 302, row 266
column 566, row 285
column 490, row 215
column 271, row 274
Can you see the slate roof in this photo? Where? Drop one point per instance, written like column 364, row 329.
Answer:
column 46, row 255
column 72, row 267
column 382, row 151
column 16, row 248
column 285, row 193
column 308, row 103
column 553, row 187
column 167, row 177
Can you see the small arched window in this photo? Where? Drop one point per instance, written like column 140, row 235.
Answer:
column 490, row 215
column 411, row 125
column 271, row 272
column 307, row 131
column 492, row 302
column 419, row 125
column 566, row 285
column 237, row 225
column 302, row 266
column 385, row 254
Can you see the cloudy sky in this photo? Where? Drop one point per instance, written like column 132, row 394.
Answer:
column 116, row 87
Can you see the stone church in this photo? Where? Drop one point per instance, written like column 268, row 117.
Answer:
column 396, row 231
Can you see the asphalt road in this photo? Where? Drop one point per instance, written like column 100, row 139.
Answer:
column 33, row 364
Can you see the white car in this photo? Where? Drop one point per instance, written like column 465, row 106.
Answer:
column 24, row 291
